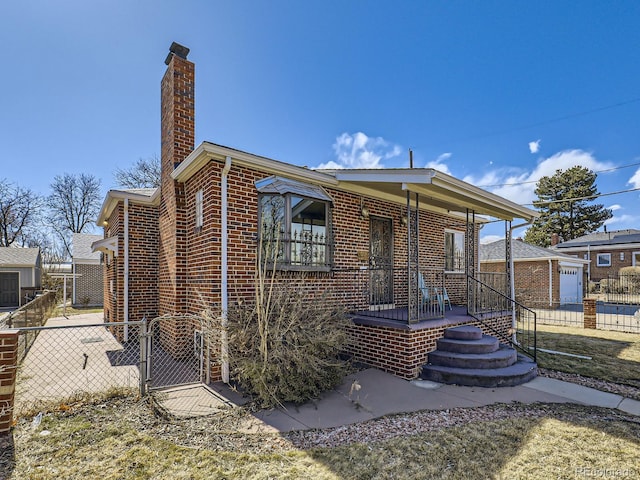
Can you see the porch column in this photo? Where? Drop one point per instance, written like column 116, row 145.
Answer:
column 508, row 235
column 470, row 257
column 413, row 259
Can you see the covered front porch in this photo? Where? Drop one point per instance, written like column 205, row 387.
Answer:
column 420, row 275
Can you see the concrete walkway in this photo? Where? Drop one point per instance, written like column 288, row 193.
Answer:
column 372, row 393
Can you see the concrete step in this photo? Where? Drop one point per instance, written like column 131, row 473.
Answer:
column 503, row 357
column 486, row 344
column 465, row 332
column 520, row 372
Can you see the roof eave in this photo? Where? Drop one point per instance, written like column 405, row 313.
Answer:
column 113, row 197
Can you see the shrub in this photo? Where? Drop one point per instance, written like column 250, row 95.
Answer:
column 610, row 285
column 630, row 279
column 285, row 346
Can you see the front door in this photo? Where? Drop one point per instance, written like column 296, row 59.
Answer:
column 381, row 261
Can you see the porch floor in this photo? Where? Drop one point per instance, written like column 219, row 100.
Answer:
column 397, row 318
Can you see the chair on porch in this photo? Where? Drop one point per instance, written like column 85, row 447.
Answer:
column 427, row 297
column 443, row 298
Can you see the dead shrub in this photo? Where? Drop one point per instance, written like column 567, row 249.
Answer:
column 285, row 346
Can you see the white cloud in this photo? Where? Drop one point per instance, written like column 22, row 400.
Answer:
column 519, row 186
column 439, row 163
column 627, row 221
column 635, row 180
column 490, row 239
column 534, row 147
column 615, row 207
column 361, row 151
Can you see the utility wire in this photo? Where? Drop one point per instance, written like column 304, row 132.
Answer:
column 590, row 197
column 552, row 120
column 536, row 181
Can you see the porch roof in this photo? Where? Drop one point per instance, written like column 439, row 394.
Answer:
column 438, row 191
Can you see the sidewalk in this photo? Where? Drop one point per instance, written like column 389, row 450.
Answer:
column 382, row 394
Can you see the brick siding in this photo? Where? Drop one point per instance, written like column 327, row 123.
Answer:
column 531, row 281
column 89, row 285
column 8, row 367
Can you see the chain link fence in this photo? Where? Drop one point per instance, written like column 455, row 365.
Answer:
column 32, row 314
column 65, row 363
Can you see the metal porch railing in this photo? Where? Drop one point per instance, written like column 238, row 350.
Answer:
column 485, row 302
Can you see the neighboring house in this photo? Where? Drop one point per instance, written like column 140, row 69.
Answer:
column 542, row 277
column 20, row 272
column 368, row 239
column 87, row 271
column 607, row 252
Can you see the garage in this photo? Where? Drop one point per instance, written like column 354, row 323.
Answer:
column 20, row 270
column 570, row 283
column 9, row 289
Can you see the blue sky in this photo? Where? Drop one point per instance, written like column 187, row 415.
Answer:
column 491, row 92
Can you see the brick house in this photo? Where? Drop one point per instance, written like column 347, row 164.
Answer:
column 607, row 252
column 542, row 277
column 366, row 238
column 87, row 271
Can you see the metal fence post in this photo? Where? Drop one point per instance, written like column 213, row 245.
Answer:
column 143, row 357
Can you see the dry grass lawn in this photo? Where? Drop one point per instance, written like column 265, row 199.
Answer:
column 615, row 356
column 105, row 441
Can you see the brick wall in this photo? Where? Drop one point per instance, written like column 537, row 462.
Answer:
column 177, row 141
column 350, row 235
column 8, row 366
column 89, row 285
column 403, row 351
column 531, row 281
column 599, row 273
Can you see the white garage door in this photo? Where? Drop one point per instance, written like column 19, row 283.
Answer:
column 570, row 285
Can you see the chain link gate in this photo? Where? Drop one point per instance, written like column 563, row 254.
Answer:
column 177, row 349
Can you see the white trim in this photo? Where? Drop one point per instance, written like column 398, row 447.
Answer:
column 633, row 259
column 598, row 255
column 444, row 191
column 108, row 246
column 593, row 248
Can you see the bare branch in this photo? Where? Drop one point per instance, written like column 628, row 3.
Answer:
column 144, row 174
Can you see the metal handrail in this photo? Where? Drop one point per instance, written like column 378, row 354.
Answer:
column 479, row 304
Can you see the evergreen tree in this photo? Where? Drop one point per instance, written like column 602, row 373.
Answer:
column 565, row 205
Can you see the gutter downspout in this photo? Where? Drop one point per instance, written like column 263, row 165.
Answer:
column 514, row 323
column 224, row 348
column 550, row 283
column 126, row 269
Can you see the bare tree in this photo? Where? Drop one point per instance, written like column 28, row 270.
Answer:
column 144, row 174
column 19, row 211
column 74, row 204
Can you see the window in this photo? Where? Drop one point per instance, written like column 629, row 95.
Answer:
column 454, row 260
column 604, row 260
column 199, row 214
column 294, row 226
column 635, row 259
column 621, row 255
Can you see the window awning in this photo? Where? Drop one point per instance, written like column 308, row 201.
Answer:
column 106, row 245
column 282, row 186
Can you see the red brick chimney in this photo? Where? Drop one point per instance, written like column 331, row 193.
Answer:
column 555, row 239
column 178, row 141
column 177, row 108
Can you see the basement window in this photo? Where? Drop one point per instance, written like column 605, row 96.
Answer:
column 294, row 221
column 604, row 260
